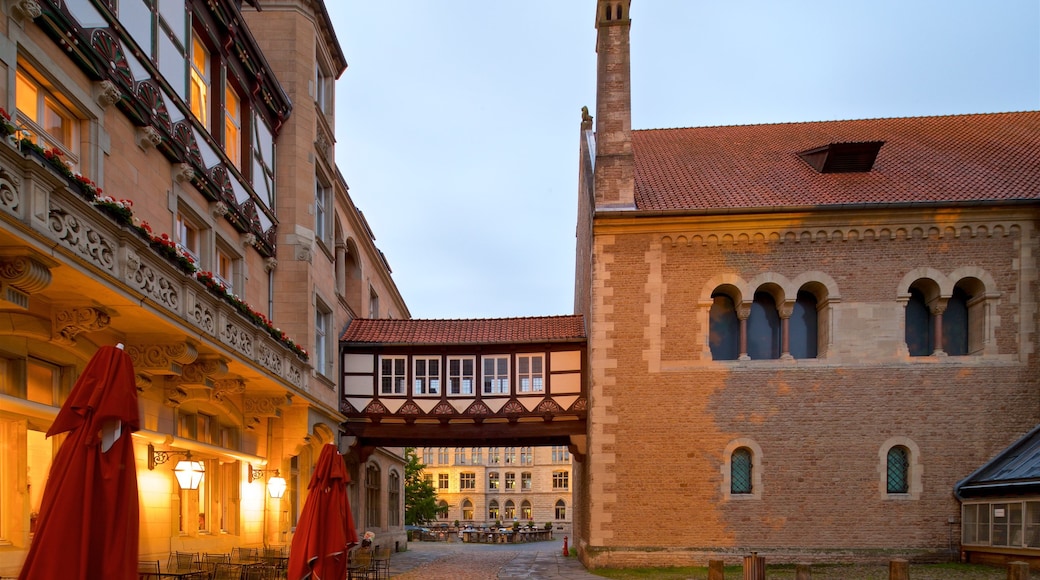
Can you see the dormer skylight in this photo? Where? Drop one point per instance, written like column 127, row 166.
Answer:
column 843, row 157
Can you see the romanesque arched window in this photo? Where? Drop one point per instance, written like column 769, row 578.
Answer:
column 723, row 328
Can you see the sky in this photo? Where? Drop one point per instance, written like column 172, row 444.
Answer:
column 457, row 121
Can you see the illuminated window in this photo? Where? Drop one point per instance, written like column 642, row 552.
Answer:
column 510, row 512
column 525, row 510
column 525, row 481
column 200, row 81
column 493, row 510
column 233, row 126
column 467, row 510
column 44, row 120
column 188, row 236
column 561, row 509
column 493, row 481
column 510, row 481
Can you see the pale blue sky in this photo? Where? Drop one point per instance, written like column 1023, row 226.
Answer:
column 458, row 120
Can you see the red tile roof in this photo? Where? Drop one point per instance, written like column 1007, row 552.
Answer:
column 469, row 331
column 962, row 158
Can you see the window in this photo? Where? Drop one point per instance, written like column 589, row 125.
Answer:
column 442, row 481
column 561, row 510
column 525, row 481
column 233, row 126
column 763, row 328
column 200, row 81
column 43, row 382
column 526, row 456
column 322, row 322
column 510, row 510
column 510, row 455
column 493, row 456
column 919, row 324
column 391, row 375
column 394, row 499
column 493, row 480
column 44, row 120
column 373, row 303
column 529, row 373
column 460, row 456
column 493, row 510
column 428, row 477
column 560, row 480
column 803, row 326
column 496, row 375
column 427, row 454
column 740, row 471
column 467, row 481
column 897, row 473
column 228, row 487
column 724, row 328
column 322, row 202
column 188, row 236
column 323, row 88
column 224, row 270
column 476, row 456
column 442, row 510
column 525, row 510
column 1014, row 524
column 426, row 376
column 510, row 481
column 372, row 493
column 467, row 510
column 262, row 175
column 460, row 375
column 442, row 455
column 560, row 454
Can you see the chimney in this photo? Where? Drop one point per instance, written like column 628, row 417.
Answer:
column 615, row 165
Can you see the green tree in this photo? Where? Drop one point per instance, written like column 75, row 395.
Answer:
column 420, row 498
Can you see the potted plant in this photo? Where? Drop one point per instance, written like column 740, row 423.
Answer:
column 548, row 525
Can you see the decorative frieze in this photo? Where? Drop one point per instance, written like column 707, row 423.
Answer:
column 10, row 194
column 151, row 282
column 224, row 388
column 68, row 322
column 162, row 359
column 83, row 237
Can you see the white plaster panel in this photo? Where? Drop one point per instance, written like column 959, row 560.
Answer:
column 359, row 363
column 565, row 361
column 392, row 405
column 569, row 383
column 355, row 385
column 359, row 403
column 495, row 404
column 530, row 403
column 565, row 402
column 427, row 405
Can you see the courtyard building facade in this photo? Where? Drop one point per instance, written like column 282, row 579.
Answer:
column 168, row 183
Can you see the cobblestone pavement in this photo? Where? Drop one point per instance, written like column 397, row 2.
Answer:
column 461, row 561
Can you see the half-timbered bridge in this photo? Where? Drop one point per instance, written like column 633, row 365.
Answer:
column 479, row 382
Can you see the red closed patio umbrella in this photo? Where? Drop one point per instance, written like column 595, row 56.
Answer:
column 325, row 530
column 88, row 521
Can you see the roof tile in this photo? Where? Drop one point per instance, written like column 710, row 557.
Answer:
column 961, row 158
column 465, row 331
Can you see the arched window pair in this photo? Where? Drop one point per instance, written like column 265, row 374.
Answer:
column 951, row 325
column 767, row 328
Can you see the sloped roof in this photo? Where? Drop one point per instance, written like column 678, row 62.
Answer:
column 465, row 331
column 962, row 158
column 1014, row 470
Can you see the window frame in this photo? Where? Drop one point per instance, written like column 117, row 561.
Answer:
column 458, row 381
column 528, row 380
column 496, row 382
column 398, row 381
column 48, row 100
column 560, row 480
column 426, row 384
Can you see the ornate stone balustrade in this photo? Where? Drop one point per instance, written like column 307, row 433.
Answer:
column 34, row 195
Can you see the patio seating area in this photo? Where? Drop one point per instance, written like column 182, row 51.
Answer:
column 261, row 563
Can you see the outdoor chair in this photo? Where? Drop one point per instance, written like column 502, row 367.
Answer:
column 183, row 561
column 359, row 566
column 380, row 567
column 259, row 572
column 147, row 569
column 226, row 571
column 210, row 561
column 243, row 555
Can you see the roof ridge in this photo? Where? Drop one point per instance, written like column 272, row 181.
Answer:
column 849, row 120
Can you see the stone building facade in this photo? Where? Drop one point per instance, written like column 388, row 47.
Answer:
column 801, row 336
column 479, row 486
column 168, row 182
